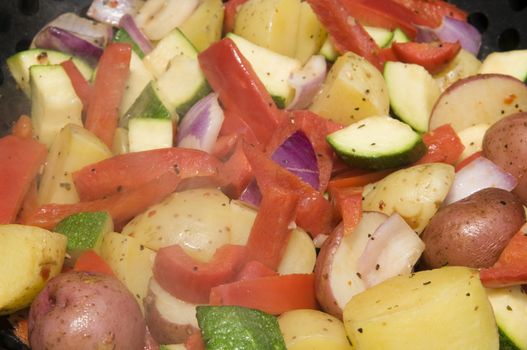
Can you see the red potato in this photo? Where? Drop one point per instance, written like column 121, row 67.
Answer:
column 483, row 98
column 336, row 274
column 169, row 319
column 504, row 144
column 473, row 231
column 78, row 310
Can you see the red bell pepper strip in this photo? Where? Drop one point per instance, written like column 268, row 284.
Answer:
column 433, row 56
column 229, row 15
column 314, row 213
column 90, row 261
column 80, row 84
column 348, row 203
column 20, row 161
column 271, row 230
column 254, row 269
column 383, row 13
column 347, row 34
column 468, row 160
column 431, row 12
column 225, row 145
column 23, row 127
column 240, row 91
column 274, row 295
column 357, row 178
column 235, row 173
column 195, row 342
column 444, row 146
column 122, row 206
column 131, row 170
column 191, row 280
column 511, row 267
column 110, row 81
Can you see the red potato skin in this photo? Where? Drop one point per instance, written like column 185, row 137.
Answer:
column 505, row 143
column 474, row 231
column 79, row 310
column 162, row 330
column 323, row 290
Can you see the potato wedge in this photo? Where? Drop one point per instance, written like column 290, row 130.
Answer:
column 272, row 24
column 73, row 148
column 29, row 257
column 354, row 89
column 300, row 254
column 200, row 220
column 414, row 193
column 130, row 261
column 462, row 66
column 484, row 98
column 438, row 309
column 312, row 329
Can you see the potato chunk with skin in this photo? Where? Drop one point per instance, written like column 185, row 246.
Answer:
column 354, row 89
column 438, row 309
column 414, row 193
column 312, row 329
column 200, row 220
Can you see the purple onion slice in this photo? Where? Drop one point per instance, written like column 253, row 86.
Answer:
column 128, row 23
column 308, row 82
column 479, row 174
column 201, row 125
column 111, row 11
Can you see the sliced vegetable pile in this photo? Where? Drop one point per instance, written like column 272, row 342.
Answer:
column 265, row 174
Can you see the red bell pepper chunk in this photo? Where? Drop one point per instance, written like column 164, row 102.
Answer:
column 274, row 295
column 468, row 160
column 346, row 32
column 511, row 267
column 433, row 56
column 231, row 8
column 80, row 84
column 191, row 280
column 348, row 203
column 240, row 91
column 444, row 146
column 431, row 12
column 122, row 206
column 110, row 81
column 195, row 342
column 383, row 13
column 270, row 232
column 255, row 269
column 235, row 173
column 314, row 213
column 357, row 178
column 23, row 127
column 89, row 261
column 20, row 161
column 132, row 170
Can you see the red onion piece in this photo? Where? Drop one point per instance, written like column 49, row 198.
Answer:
column 62, row 40
column 111, row 11
column 201, row 125
column 252, row 194
column 128, row 23
column 297, row 155
column 479, row 174
column 452, row 30
column 307, row 82
column 99, row 34
column 393, row 250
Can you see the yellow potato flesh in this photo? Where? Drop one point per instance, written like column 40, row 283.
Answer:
column 438, row 309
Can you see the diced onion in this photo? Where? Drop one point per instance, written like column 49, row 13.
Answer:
column 479, row 174
column 201, row 125
column 307, row 82
column 452, row 30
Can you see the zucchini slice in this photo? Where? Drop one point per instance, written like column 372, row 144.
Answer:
column 379, row 142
